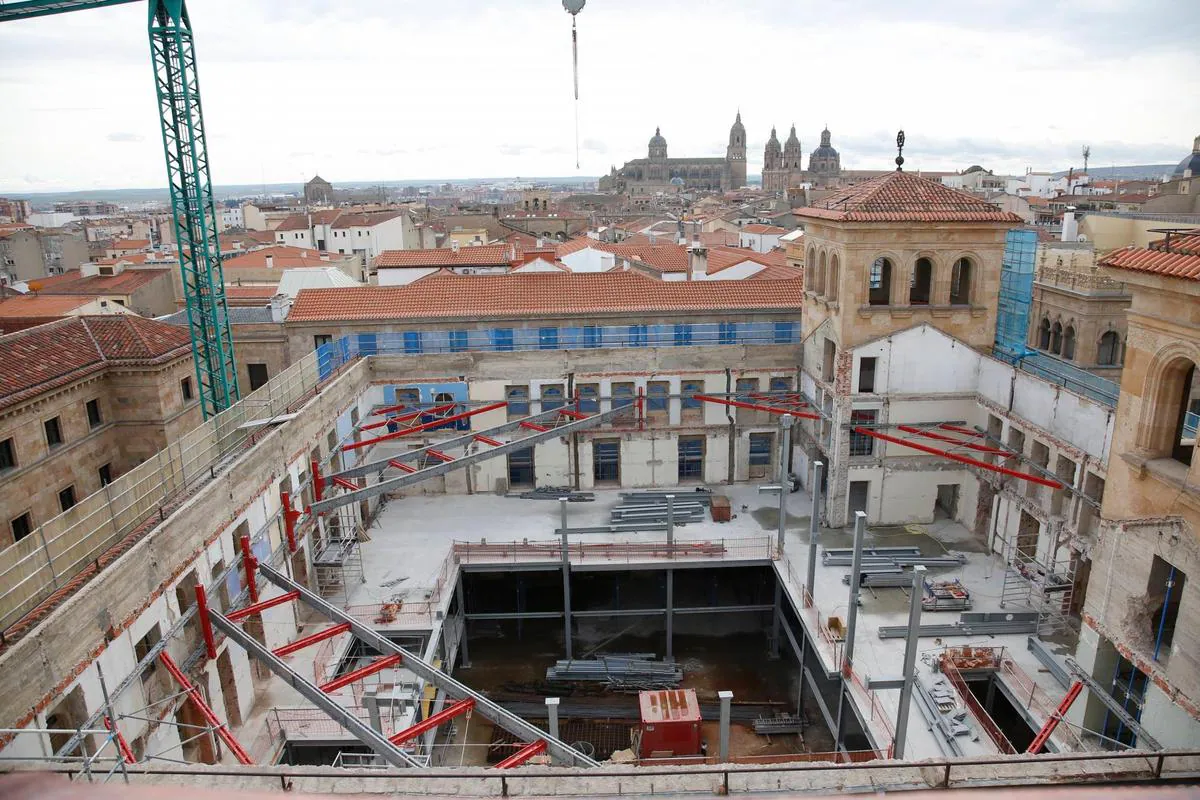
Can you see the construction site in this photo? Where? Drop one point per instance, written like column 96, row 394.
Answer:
column 427, row 576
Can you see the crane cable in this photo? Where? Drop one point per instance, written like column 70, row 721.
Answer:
column 575, row 69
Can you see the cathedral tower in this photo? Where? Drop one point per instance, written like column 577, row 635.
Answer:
column 793, row 156
column 735, row 154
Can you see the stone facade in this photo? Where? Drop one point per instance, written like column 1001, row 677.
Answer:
column 139, row 409
column 1078, row 312
column 1151, row 520
column 658, row 173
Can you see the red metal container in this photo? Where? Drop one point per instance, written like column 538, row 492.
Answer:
column 670, row 723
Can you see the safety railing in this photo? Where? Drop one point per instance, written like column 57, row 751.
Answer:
column 976, row 708
column 627, row 551
column 63, row 552
column 1036, row 699
column 395, row 615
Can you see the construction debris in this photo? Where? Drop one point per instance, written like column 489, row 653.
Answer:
column 779, row 724
column 556, row 493
column 945, row 596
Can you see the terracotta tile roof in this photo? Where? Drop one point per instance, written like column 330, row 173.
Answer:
column 74, row 282
column 129, row 244
column 282, row 257
column 764, row 229
column 904, row 197
column 665, row 257
column 720, row 258
column 48, row 356
column 295, row 222
column 365, row 219
column 717, row 238
column 42, row 305
column 1182, row 260
column 482, row 255
column 250, row 295
column 7, row 228
column 523, row 295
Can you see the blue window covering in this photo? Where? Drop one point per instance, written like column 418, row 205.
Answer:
column 727, row 333
column 547, row 338
column 622, row 395
column 689, row 389
column 458, row 341
column 552, row 397
column 683, row 334
column 502, row 338
column 368, row 344
column 518, row 400
column 760, row 449
column 412, row 341
column 591, row 336
column 690, row 451
column 784, row 332
column 781, row 384
column 589, row 398
column 638, row 335
column 656, row 396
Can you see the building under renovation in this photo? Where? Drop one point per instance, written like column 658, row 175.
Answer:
column 717, row 559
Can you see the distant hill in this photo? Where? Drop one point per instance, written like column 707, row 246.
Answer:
column 1135, row 172
column 222, row 191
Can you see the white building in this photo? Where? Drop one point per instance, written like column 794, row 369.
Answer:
column 760, row 238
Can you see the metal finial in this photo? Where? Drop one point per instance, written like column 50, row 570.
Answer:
column 900, row 151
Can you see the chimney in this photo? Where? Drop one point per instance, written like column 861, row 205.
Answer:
column 281, row 304
column 454, row 245
column 270, row 261
column 697, row 263
column 1070, row 228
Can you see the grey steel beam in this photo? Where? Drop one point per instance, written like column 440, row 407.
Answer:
column 785, row 448
column 1101, row 694
column 601, row 613
column 1057, row 671
column 364, row 733
column 860, row 529
column 814, row 530
column 910, row 659
column 566, row 579
column 373, row 467
column 670, row 615
column 510, row 722
column 399, row 482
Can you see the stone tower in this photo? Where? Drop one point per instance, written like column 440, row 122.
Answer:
column 773, row 153
column 657, row 171
column 793, row 156
column 735, row 154
column 825, row 163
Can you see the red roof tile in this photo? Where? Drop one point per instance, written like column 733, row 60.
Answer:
column 718, row 238
column 1182, row 260
column 45, row 357
column 365, row 219
column 255, row 295
column 481, row 255
column 282, row 257
column 904, row 197
column 41, row 305
column 74, row 282
column 524, row 295
column 764, row 229
column 130, row 244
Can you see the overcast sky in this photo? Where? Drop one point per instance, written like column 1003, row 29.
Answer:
column 391, row 89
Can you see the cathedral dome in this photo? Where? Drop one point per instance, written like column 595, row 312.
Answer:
column 657, row 139
column 826, row 149
column 1190, row 162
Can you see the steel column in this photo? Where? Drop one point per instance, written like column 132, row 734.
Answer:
column 784, row 484
column 110, row 722
column 552, row 715
column 847, row 666
column 670, row 616
column 461, row 594
column 426, row 671
column 814, row 531
column 364, row 733
column 566, row 576
column 726, row 698
column 776, row 619
column 210, row 645
column 910, row 659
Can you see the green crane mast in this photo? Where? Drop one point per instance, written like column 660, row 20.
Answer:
column 177, row 85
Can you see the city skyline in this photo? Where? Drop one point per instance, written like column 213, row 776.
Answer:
column 329, row 93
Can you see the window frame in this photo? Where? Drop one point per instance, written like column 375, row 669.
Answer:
column 9, row 448
column 70, row 492
column 94, row 416
column 59, row 439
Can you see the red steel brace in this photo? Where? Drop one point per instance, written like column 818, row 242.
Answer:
column 122, row 745
column 258, row 608
column 400, row 465
column 961, row 459
column 311, row 639
column 448, row 713
column 197, row 699
column 378, row 665
column 206, row 629
column 437, row 423
column 349, row 486
column 318, row 481
column 290, row 518
column 251, row 564
column 524, row 754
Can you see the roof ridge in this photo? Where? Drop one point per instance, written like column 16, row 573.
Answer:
column 88, row 329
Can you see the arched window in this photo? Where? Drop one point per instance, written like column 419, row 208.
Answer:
column 831, row 280
column 879, row 286
column 810, row 270
column 1069, row 343
column 1108, row 351
column 820, row 287
column 1044, row 334
column 1175, row 411
column 921, row 282
column 1056, row 338
column 960, row 283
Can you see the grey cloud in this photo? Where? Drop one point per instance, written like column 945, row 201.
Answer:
column 125, row 136
column 594, row 146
